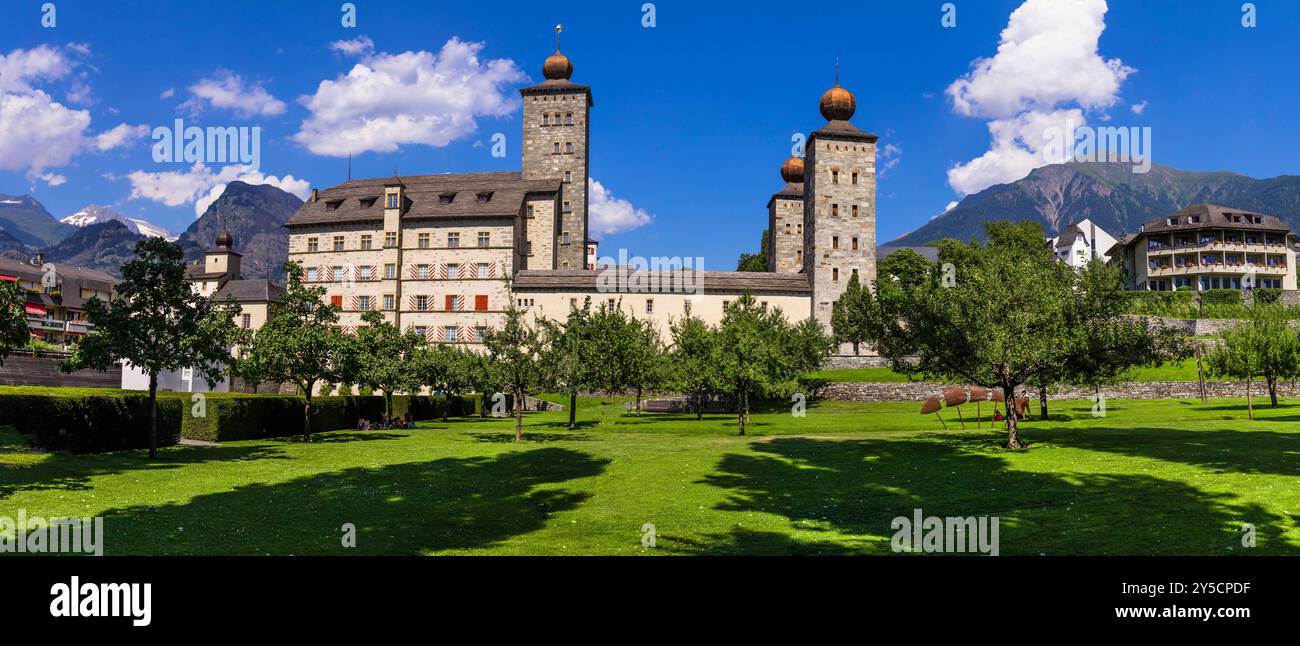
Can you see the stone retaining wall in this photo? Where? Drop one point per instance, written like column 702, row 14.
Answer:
column 919, row 391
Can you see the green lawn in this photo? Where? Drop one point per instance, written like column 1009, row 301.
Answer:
column 1167, row 372
column 1154, row 477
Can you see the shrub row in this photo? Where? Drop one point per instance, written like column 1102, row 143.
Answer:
column 90, row 424
column 226, row 419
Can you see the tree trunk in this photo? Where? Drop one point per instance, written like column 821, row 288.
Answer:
column 1200, row 373
column 742, row 407
column 1250, row 408
column 483, row 407
column 573, row 410
column 699, row 407
column 519, row 416
column 1272, row 389
column 1013, row 436
column 855, row 348
column 638, row 401
column 153, row 416
column 1042, row 402
column 446, row 404
column 388, row 403
column 306, row 412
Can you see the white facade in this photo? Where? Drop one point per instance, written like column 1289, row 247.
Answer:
column 1081, row 242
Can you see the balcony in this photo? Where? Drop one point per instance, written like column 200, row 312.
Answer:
column 49, row 325
column 1216, row 268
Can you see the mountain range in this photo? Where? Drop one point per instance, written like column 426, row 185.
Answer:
column 101, row 238
column 1109, row 194
column 94, row 214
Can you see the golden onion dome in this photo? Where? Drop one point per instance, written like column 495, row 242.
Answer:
column 225, row 240
column 557, row 66
column 838, row 104
column 792, row 170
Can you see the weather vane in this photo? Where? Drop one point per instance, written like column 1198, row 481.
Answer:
column 558, row 28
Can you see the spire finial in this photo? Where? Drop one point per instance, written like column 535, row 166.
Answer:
column 349, row 166
column 837, row 70
column 558, row 28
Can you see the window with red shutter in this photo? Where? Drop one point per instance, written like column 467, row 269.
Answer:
column 451, row 305
column 336, row 301
column 480, row 302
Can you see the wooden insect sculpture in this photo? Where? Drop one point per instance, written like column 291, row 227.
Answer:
column 955, row 396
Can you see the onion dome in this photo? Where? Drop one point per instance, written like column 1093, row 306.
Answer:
column 838, row 104
column 792, row 170
column 557, row 66
column 225, row 240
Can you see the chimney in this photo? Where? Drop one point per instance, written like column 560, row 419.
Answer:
column 39, row 259
column 315, row 195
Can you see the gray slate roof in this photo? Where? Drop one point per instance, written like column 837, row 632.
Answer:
column 1213, row 216
column 89, row 278
column 844, row 130
column 248, row 291
column 713, row 282
column 346, row 202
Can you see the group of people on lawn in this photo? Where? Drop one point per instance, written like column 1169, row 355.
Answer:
column 404, row 421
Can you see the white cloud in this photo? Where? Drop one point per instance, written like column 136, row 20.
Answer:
column 362, row 46
column 119, row 135
column 1047, row 59
column 389, row 100
column 168, row 93
column 52, row 179
column 227, row 90
column 201, row 185
column 1138, row 108
column 607, row 214
column 38, row 132
column 889, row 158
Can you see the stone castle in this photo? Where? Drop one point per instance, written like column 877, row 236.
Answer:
column 447, row 254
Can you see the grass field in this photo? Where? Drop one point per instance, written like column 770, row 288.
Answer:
column 1167, row 372
column 1154, row 477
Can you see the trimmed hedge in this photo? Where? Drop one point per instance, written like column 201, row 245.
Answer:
column 1267, row 295
column 261, row 416
column 91, row 424
column 1221, row 297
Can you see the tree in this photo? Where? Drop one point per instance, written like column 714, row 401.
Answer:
column 759, row 352
column 854, row 314
column 157, row 323
column 569, row 357
column 248, row 365
column 480, row 374
column 643, row 357
column 13, row 319
column 517, row 350
column 755, row 261
column 905, row 268
column 693, row 361
column 383, row 357
column 301, row 343
column 1264, row 345
column 447, row 369
column 1006, row 313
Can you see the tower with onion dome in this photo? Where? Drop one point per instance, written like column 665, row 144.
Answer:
column 839, row 203
column 556, row 136
column 785, row 221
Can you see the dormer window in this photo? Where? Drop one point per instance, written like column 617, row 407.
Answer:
column 333, row 205
column 391, row 200
column 484, row 197
column 367, row 202
column 1173, row 222
column 446, row 198
column 1195, row 219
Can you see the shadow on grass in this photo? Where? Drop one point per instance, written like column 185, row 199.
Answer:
column 1223, row 451
column 857, row 487
column 508, row 437
column 67, row 472
column 412, row 508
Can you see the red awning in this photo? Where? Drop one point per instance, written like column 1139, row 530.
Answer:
column 35, row 309
column 13, row 278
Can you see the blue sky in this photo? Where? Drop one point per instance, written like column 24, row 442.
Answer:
column 692, row 118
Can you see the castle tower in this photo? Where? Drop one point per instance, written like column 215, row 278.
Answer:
column 556, row 135
column 839, row 203
column 785, row 221
column 222, row 259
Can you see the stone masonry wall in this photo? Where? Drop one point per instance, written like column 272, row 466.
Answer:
column 551, row 149
column 919, row 391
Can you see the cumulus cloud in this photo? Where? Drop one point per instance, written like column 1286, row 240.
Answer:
column 119, row 135
column 361, row 46
column 607, row 214
column 1047, row 68
column 38, row 132
column 1138, row 108
column 889, row 158
column 53, row 179
column 388, row 100
column 168, row 93
column 202, row 185
column 227, row 90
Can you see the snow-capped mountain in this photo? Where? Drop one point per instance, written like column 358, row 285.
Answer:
column 94, row 214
